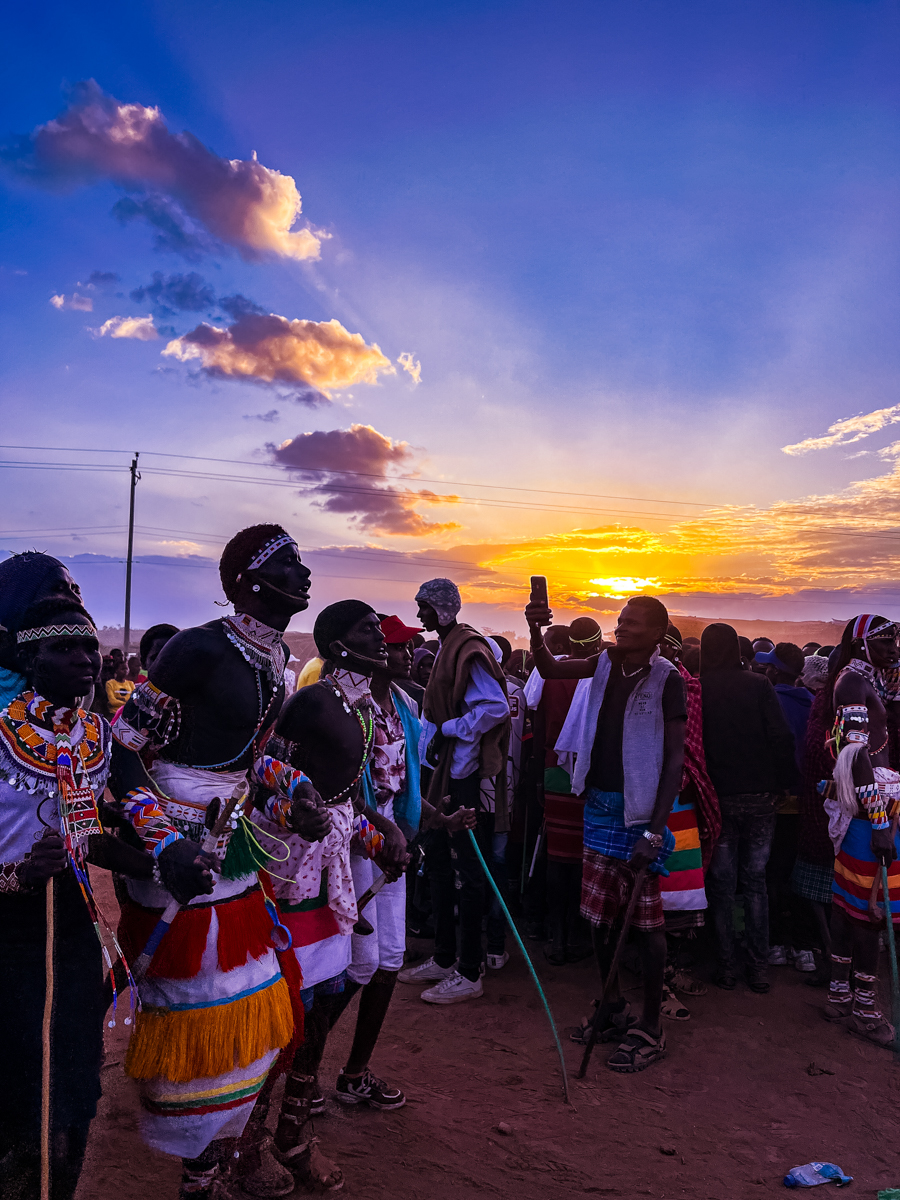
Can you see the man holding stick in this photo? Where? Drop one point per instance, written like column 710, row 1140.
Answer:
column 466, row 740
column 864, row 682
column 216, row 1008
column 629, row 768
column 54, row 763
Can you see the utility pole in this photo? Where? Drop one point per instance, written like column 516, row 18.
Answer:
column 135, row 476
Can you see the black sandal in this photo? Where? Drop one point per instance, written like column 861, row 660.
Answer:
column 617, row 1023
column 637, row 1052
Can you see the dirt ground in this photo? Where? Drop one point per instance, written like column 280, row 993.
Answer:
column 752, row 1086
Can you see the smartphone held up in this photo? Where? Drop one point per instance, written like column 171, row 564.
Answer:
column 540, row 599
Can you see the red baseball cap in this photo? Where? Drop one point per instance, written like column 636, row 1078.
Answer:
column 395, row 632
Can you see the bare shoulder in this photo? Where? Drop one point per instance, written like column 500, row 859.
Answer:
column 853, row 688
column 306, row 711
column 187, row 657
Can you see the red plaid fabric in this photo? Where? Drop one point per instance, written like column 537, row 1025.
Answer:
column 564, row 819
column 696, row 784
column 605, row 887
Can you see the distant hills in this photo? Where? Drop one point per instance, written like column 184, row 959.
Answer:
column 826, row 633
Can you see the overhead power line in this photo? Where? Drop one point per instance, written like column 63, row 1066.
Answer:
column 372, row 475
column 476, row 501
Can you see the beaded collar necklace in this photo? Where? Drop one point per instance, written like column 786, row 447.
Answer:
column 353, row 692
column 259, row 645
column 28, row 746
column 867, row 671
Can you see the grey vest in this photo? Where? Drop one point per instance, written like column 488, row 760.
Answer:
column 642, row 738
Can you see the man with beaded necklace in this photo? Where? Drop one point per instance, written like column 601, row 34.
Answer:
column 216, row 1007
column 865, row 690
column 54, row 763
column 327, row 730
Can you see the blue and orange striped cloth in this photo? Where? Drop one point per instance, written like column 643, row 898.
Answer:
column 854, row 873
column 682, row 889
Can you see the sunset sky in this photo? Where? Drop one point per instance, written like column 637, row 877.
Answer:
column 605, row 291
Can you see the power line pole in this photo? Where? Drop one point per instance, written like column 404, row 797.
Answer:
column 135, row 476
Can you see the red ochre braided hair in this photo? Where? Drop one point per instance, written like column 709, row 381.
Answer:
column 241, row 551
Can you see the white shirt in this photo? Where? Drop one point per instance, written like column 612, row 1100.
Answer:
column 484, row 705
column 514, row 754
column 534, row 685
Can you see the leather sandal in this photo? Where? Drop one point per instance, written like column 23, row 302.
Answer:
column 672, row 1007
column 875, row 1029
column 637, row 1052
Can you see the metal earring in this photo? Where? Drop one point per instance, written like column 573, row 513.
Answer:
column 255, row 587
column 343, row 654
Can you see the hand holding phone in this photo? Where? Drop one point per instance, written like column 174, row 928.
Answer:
column 538, row 611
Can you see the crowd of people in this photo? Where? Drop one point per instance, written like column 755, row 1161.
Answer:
column 282, row 841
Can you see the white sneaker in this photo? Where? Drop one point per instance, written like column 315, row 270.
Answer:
column 426, row 972
column 804, row 960
column 777, row 956
column 496, row 961
column 453, row 990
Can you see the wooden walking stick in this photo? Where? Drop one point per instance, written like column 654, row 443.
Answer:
column 892, row 952
column 612, row 972
column 876, row 915
column 46, row 1039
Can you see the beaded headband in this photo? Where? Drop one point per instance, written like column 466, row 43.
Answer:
column 862, row 628
column 275, row 543
column 674, row 641
column 49, row 631
column 595, row 637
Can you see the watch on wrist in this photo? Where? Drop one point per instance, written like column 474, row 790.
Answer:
column 655, row 839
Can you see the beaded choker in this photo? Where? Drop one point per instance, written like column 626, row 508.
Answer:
column 861, row 668
column 353, row 692
column 259, row 645
column 354, row 689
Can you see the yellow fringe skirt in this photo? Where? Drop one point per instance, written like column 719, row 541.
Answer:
column 196, row 1042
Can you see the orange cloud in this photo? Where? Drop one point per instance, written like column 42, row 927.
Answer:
column 844, row 540
column 348, row 470
column 239, row 201
column 318, row 355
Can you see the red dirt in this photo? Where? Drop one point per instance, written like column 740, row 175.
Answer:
column 729, row 1111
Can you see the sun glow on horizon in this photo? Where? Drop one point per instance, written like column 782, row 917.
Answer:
column 617, row 588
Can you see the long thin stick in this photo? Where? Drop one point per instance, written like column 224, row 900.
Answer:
column 524, row 853
column 612, row 972
column 537, row 850
column 892, row 952
column 521, row 945
column 45, row 1040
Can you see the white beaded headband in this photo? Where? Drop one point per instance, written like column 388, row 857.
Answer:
column 283, row 539
column 49, row 631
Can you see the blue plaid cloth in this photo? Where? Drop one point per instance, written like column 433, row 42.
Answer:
column 605, row 830
column 328, row 987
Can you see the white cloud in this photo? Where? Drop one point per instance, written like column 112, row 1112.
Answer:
column 411, row 365
column 75, row 301
column 848, row 430
column 140, row 328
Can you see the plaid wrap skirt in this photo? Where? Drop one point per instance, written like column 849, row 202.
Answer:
column 606, row 885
